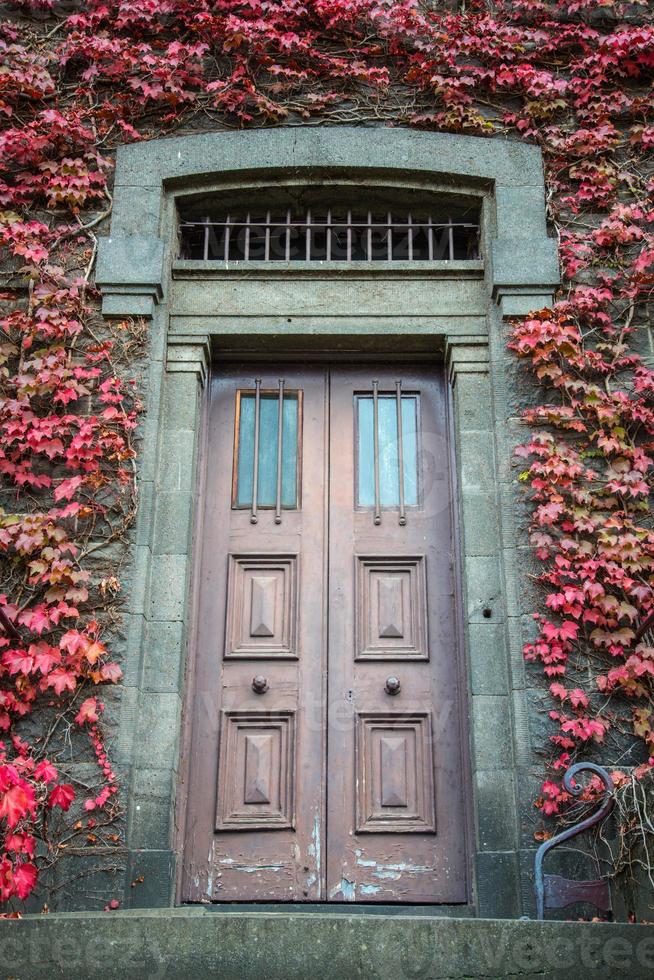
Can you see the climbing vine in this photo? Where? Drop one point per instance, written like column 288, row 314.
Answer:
column 573, row 76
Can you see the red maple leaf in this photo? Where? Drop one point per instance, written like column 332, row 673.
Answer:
column 18, row 661
column 88, row 711
column 16, row 803
column 61, row 680
column 45, row 772
column 62, row 796
column 24, row 876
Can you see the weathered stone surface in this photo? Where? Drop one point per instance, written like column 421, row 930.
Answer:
column 328, row 297
column 85, row 881
column 130, row 270
column 158, row 723
column 488, row 668
column 278, row 334
column 151, row 805
column 168, row 588
column 172, row 523
column 477, row 463
column 176, row 466
column 513, row 201
column 498, row 884
column 483, row 588
column 184, row 943
column 520, row 262
column 491, row 732
column 481, row 530
column 473, row 402
column 150, row 879
column 495, row 794
column 162, row 662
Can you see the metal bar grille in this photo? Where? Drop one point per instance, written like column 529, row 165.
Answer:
column 255, row 455
column 207, row 228
column 400, row 450
column 375, row 436
column 227, row 231
column 329, row 236
column 266, row 254
column 280, row 451
column 248, row 229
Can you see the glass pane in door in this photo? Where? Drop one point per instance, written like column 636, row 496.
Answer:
column 389, row 468
column 268, row 449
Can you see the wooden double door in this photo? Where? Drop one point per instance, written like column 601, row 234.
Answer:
column 325, row 737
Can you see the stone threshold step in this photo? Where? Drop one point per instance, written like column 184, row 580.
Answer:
column 178, row 944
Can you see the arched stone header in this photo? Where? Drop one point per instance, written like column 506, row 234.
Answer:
column 521, row 260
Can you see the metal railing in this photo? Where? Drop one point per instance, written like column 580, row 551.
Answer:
column 328, row 237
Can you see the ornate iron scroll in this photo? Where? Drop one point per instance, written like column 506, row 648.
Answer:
column 555, row 892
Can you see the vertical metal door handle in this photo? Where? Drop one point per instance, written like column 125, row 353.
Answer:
column 400, row 450
column 280, row 451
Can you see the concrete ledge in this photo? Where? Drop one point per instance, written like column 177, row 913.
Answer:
column 292, row 945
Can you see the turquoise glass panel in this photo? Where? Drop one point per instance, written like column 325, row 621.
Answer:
column 245, row 452
column 267, row 462
column 389, row 491
column 366, row 475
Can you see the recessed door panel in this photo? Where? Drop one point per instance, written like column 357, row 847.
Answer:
column 256, row 772
column 394, row 773
column 262, row 607
column 390, row 608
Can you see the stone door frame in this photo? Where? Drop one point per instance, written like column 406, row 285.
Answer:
column 137, row 273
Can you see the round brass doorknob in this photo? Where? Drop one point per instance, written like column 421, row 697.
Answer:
column 392, row 685
column 259, row 684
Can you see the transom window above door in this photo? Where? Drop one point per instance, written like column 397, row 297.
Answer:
column 331, row 226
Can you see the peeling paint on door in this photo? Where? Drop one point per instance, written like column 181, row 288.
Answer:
column 346, row 889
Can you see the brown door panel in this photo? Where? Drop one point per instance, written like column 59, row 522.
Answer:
column 395, row 827
column 256, row 758
column 325, row 748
